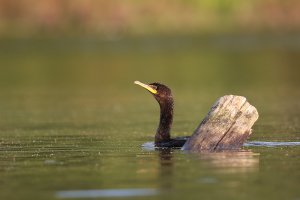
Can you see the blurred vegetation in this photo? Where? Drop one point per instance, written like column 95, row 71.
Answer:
column 133, row 17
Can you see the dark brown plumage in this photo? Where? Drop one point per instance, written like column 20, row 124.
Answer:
column 163, row 96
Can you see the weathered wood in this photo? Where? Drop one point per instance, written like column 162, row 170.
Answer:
column 226, row 126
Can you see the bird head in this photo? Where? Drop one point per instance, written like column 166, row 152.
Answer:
column 160, row 91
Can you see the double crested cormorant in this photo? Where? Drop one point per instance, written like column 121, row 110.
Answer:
column 164, row 97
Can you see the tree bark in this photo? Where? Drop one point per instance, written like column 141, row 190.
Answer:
column 226, row 127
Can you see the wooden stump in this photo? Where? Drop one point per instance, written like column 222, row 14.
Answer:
column 226, row 126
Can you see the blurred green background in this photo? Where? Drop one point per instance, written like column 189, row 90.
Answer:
column 75, row 42
column 71, row 118
column 117, row 18
column 74, row 61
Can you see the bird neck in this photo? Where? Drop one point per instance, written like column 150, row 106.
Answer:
column 165, row 122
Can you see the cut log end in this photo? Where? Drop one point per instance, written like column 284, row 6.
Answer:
column 226, row 127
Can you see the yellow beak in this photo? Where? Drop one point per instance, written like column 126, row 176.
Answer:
column 147, row 87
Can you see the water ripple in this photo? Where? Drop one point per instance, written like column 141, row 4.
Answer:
column 270, row 144
column 150, row 146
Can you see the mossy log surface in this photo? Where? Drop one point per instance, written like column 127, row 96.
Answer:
column 226, row 127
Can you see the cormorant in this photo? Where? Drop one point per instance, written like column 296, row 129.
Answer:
column 163, row 96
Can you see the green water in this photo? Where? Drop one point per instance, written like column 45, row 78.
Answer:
column 72, row 119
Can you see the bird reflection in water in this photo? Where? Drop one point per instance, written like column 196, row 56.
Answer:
column 166, row 168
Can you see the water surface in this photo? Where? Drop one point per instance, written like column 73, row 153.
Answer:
column 72, row 123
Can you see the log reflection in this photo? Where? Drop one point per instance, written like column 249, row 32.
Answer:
column 231, row 161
